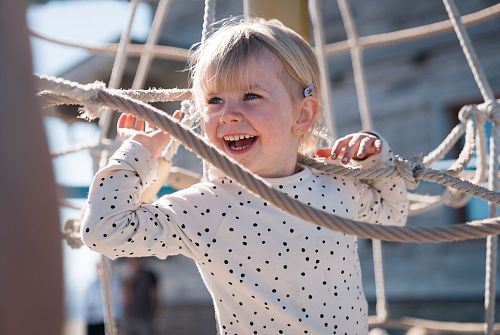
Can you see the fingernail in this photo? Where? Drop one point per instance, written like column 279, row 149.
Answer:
column 334, row 156
column 344, row 160
column 361, row 154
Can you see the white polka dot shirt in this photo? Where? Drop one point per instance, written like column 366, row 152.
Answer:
column 268, row 272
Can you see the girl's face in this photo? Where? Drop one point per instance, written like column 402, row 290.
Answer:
column 256, row 123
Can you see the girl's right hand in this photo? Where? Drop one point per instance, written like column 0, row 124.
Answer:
column 153, row 139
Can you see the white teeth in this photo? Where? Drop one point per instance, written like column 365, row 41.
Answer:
column 237, row 137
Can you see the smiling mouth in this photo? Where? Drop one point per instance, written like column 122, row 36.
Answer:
column 239, row 142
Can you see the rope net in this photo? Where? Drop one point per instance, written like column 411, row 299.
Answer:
column 57, row 91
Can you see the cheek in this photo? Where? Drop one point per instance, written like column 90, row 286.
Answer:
column 209, row 126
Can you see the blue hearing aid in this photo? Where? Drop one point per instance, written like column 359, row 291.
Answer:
column 308, row 91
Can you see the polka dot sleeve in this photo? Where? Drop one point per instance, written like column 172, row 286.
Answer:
column 116, row 224
column 382, row 201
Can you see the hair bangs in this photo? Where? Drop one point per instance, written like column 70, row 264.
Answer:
column 229, row 67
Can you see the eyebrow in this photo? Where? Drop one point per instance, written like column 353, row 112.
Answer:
column 257, row 86
column 252, row 86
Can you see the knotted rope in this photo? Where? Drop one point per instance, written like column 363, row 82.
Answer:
column 259, row 186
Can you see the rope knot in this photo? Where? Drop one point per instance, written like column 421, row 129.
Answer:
column 470, row 111
column 492, row 109
column 406, row 169
column 89, row 99
column 71, row 233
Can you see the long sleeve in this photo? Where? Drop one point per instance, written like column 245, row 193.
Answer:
column 116, row 224
column 381, row 201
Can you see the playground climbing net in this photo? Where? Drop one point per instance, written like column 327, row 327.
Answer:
column 99, row 101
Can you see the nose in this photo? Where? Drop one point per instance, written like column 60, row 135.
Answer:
column 230, row 113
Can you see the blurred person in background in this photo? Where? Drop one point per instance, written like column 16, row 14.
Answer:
column 140, row 293
column 94, row 304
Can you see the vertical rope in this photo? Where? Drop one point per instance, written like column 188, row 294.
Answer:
column 105, row 269
column 208, row 19
column 468, row 49
column 357, row 64
column 105, row 278
column 487, row 94
column 491, row 241
column 147, row 56
column 326, row 95
column 367, row 124
column 105, row 126
column 378, row 272
column 118, row 67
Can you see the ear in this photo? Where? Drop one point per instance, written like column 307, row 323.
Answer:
column 308, row 112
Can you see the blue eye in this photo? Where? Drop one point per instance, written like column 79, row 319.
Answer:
column 251, row 96
column 215, row 101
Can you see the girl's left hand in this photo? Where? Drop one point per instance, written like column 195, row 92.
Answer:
column 357, row 146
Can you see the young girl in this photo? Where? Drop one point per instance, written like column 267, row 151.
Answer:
column 257, row 85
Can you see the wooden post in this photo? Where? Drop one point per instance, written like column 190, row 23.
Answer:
column 293, row 13
column 31, row 285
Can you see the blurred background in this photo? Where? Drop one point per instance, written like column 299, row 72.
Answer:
column 415, row 90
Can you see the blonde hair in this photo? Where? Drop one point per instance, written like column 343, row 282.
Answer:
column 222, row 61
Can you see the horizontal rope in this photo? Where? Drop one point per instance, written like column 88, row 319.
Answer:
column 258, row 186
column 135, row 50
column 149, row 95
column 73, row 149
column 410, row 34
column 447, row 327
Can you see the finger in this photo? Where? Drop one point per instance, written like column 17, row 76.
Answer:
column 338, row 146
column 129, row 121
column 364, row 147
column 378, row 145
column 121, row 121
column 323, row 153
column 351, row 149
column 341, row 155
column 139, row 124
column 178, row 115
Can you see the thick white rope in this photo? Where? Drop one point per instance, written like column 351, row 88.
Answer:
column 154, row 34
column 422, row 205
column 259, row 187
column 326, row 90
column 95, row 95
column 188, row 119
column 149, row 95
